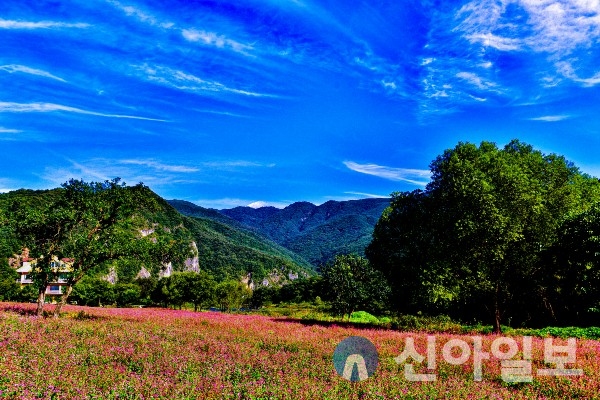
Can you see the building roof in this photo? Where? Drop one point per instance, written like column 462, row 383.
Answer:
column 25, row 268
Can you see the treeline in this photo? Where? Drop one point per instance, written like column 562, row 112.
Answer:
column 335, row 288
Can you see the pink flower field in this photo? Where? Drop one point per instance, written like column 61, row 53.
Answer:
column 95, row 353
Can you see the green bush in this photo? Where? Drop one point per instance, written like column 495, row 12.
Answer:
column 363, row 317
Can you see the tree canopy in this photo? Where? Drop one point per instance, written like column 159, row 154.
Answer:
column 89, row 223
column 473, row 242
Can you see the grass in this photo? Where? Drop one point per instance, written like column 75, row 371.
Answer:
column 418, row 323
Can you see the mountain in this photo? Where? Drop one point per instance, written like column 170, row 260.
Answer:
column 217, row 242
column 316, row 233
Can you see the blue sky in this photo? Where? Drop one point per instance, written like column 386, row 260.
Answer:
column 275, row 101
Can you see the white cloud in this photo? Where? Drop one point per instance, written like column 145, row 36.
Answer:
column 388, row 85
column 27, row 70
column 497, row 42
column 417, row 177
column 369, row 195
column 160, row 166
column 9, row 24
column 50, row 107
column 181, row 80
column 568, row 71
column 235, row 164
column 216, row 40
column 475, row 80
column 143, row 16
column 480, row 99
column 550, row 118
column 7, row 130
column 259, row 204
column 100, row 169
column 225, row 113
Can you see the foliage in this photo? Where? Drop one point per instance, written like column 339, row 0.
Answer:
column 232, row 295
column 473, row 243
column 91, row 291
column 573, row 284
column 229, row 253
column 90, row 223
column 223, row 251
column 352, row 284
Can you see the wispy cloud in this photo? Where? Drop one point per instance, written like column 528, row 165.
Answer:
column 7, row 130
column 222, row 203
column 497, row 42
column 10, row 24
column 566, row 69
column 11, row 68
column 51, row 107
column 141, row 15
column 369, row 195
column 476, row 80
column 415, row 176
column 559, row 29
column 550, row 118
column 160, row 166
column 224, row 113
column 235, row 164
column 153, row 173
column 216, row 40
column 181, row 80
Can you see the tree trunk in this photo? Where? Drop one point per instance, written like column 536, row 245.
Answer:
column 40, row 303
column 63, row 301
column 497, row 326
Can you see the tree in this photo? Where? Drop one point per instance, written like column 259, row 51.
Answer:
column 201, row 288
column 172, row 290
column 93, row 292
column 353, row 284
column 232, row 294
column 573, row 284
column 147, row 287
column 473, row 241
column 91, row 223
column 126, row 294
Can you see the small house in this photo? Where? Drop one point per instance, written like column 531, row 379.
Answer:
column 61, row 268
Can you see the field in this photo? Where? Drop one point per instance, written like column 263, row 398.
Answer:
column 95, row 353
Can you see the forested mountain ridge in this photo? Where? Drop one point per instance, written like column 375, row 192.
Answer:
column 316, row 233
column 200, row 243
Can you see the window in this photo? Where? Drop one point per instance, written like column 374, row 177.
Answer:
column 55, row 289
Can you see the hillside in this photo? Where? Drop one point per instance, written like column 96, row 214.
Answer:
column 222, row 249
column 316, row 233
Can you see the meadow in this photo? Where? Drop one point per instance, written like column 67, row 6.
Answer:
column 111, row 353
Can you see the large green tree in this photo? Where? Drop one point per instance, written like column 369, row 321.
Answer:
column 91, row 223
column 473, row 240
